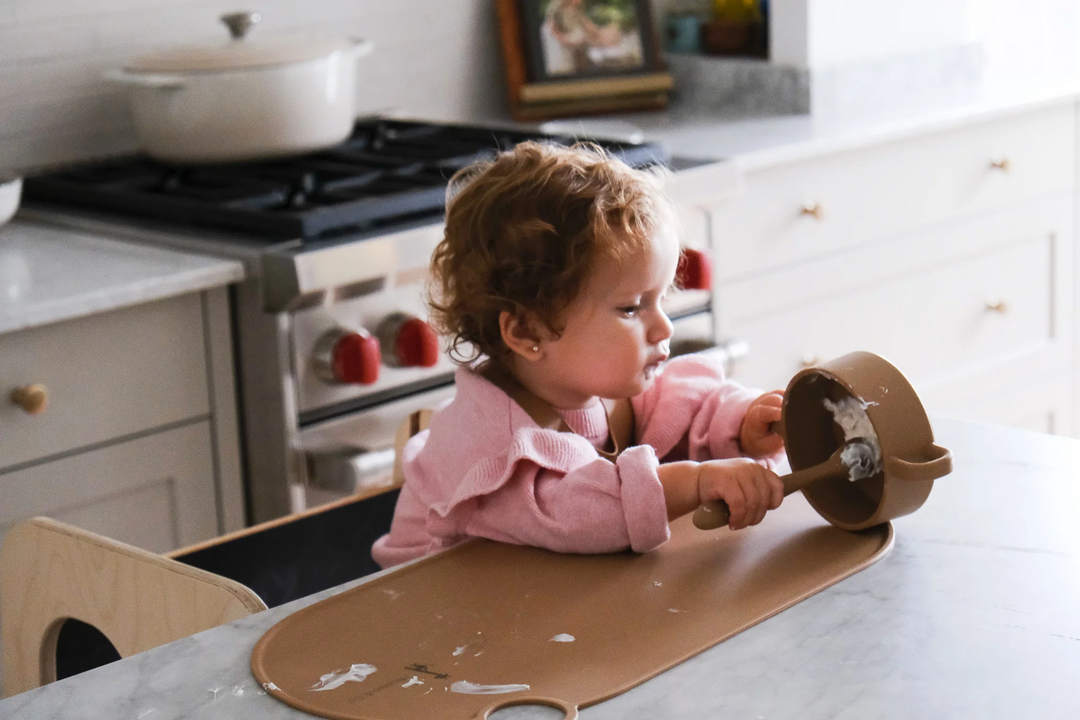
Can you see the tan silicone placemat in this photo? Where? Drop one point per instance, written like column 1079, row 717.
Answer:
column 485, row 625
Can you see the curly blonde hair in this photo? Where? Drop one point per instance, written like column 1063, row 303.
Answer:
column 523, row 232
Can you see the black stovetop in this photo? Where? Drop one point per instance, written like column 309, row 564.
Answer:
column 388, row 172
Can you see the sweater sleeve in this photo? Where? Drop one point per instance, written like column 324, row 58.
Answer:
column 693, row 405
column 541, row 499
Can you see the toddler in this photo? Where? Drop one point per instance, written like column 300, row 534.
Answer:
column 548, row 285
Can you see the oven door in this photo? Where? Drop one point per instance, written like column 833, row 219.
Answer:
column 354, row 453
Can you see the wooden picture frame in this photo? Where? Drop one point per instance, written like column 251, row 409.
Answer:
column 606, row 59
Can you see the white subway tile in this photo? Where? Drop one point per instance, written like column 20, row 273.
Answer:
column 69, row 77
column 38, row 152
column 433, row 58
column 46, row 116
column 27, row 43
column 32, row 11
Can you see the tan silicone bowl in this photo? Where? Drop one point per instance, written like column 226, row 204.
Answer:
column 911, row 461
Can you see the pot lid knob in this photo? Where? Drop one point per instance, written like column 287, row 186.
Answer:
column 694, row 271
column 240, row 23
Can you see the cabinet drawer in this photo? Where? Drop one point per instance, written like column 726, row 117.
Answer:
column 156, row 492
column 886, row 190
column 1041, row 403
column 107, row 376
column 932, row 324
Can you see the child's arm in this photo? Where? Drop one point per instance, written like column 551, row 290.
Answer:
column 692, row 406
column 749, row 489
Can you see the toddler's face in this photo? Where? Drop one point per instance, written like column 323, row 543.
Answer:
column 616, row 334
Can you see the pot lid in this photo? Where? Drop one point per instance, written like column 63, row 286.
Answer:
column 240, row 51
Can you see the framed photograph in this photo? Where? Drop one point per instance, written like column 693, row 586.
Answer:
column 580, row 57
column 571, row 39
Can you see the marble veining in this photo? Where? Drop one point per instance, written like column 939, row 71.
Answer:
column 974, row 614
column 49, row 273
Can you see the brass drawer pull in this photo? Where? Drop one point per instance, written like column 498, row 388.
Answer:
column 1001, row 164
column 812, row 209
column 31, row 398
column 999, row 306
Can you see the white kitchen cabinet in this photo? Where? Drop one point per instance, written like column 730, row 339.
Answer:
column 951, row 254
column 139, row 439
column 814, row 208
column 155, row 492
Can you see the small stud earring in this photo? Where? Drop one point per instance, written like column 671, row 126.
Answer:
column 536, row 348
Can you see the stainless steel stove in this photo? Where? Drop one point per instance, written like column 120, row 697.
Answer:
column 332, row 347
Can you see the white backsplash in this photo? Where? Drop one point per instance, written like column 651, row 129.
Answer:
column 436, row 59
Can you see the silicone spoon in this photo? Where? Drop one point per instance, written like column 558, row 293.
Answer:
column 858, row 458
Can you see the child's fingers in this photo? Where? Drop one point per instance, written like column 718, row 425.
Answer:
column 736, row 502
column 761, row 496
column 776, row 491
column 771, row 444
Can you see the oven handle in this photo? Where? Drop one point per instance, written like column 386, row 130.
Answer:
column 349, row 470
column 355, row 453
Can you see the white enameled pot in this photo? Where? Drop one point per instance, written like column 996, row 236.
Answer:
column 244, row 100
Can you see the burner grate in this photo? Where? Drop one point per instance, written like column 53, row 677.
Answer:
column 386, row 172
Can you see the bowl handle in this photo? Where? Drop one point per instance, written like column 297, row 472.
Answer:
column 940, row 465
column 149, row 80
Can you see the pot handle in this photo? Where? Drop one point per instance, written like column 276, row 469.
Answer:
column 361, row 47
column 147, row 80
column 939, row 466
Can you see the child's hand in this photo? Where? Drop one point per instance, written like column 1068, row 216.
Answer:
column 755, row 436
column 749, row 489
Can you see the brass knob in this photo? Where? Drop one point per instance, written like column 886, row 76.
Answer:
column 1001, row 164
column 31, row 398
column 809, row 360
column 999, row 306
column 811, row 209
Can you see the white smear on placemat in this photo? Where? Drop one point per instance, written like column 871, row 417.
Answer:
column 331, row 680
column 413, row 681
column 563, row 637
column 459, row 650
column 467, row 688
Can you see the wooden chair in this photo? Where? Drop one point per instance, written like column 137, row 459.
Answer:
column 51, row 572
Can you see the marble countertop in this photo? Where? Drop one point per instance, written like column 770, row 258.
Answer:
column 50, row 273
column 850, row 107
column 974, row 614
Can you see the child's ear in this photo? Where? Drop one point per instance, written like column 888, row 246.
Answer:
column 518, row 334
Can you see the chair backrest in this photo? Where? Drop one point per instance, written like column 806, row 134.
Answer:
column 51, row 572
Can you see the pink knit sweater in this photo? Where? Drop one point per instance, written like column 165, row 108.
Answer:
column 485, row 469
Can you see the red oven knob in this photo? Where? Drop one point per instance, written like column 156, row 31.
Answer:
column 347, row 357
column 694, row 271
column 408, row 341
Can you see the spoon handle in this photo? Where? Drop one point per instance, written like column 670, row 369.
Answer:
column 715, row 513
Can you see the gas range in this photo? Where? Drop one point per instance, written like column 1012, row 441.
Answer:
column 331, row 344
column 387, row 173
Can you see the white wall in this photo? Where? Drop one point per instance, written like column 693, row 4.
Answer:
column 828, row 33
column 433, row 58
column 823, row 33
